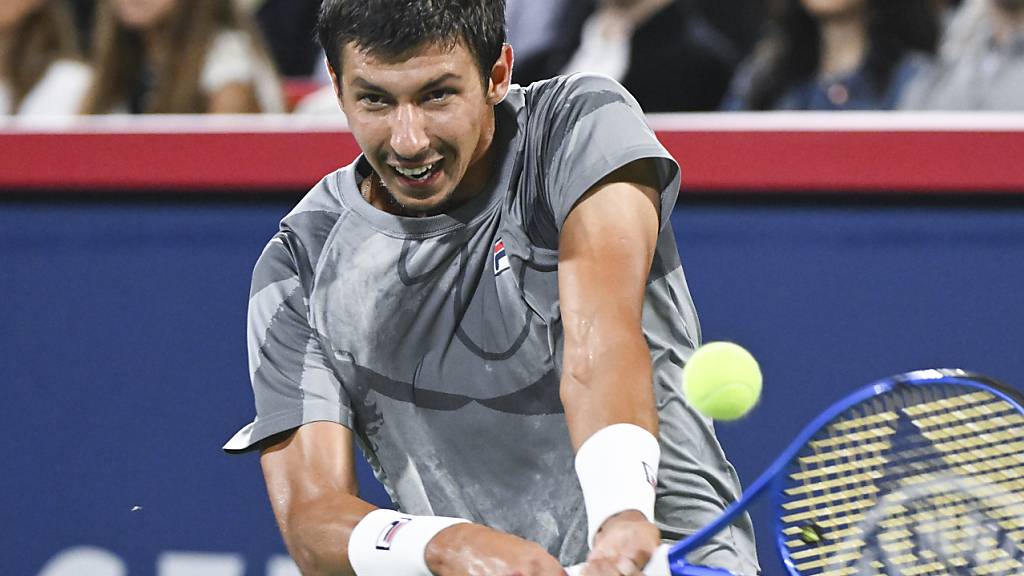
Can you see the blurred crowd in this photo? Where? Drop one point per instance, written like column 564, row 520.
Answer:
column 65, row 57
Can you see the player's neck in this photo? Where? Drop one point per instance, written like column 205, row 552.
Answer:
column 378, row 196
column 481, row 167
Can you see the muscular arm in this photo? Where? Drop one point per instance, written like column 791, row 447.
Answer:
column 310, row 476
column 606, row 247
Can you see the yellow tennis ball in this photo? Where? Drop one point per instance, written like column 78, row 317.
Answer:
column 722, row 380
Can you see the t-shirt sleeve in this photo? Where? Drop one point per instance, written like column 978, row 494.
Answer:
column 292, row 380
column 594, row 127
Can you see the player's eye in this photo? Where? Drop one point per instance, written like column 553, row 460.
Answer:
column 372, row 100
column 439, row 95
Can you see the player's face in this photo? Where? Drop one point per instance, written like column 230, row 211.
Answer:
column 826, row 9
column 425, row 122
column 12, row 12
column 143, row 14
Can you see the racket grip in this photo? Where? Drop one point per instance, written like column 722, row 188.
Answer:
column 692, row 570
column 657, row 566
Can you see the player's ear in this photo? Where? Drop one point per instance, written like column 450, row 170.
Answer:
column 501, row 76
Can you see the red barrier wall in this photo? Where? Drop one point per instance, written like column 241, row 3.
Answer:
column 778, row 153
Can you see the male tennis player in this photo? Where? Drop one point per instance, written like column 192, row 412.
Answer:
column 489, row 299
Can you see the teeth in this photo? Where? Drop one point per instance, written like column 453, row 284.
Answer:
column 415, row 173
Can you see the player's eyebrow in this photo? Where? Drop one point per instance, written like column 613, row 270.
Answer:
column 440, row 80
column 364, row 84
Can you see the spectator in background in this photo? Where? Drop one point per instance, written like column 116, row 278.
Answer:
column 981, row 64
column 288, row 27
column 179, row 56
column 946, row 10
column 40, row 73
column 532, row 25
column 740, row 20
column 837, row 55
column 83, row 12
column 663, row 51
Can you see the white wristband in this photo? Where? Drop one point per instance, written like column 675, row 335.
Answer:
column 618, row 471
column 389, row 543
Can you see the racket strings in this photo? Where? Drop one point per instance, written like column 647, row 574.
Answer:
column 838, row 476
column 972, row 527
column 982, row 440
column 926, row 480
column 950, row 529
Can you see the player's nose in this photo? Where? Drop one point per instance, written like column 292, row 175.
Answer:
column 408, row 132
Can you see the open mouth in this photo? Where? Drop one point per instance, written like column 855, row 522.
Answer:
column 419, row 174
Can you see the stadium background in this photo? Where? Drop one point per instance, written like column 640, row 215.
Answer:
column 838, row 249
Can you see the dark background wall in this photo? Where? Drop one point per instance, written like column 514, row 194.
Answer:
column 122, row 353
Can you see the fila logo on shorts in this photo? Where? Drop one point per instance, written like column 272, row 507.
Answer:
column 500, row 257
column 387, row 536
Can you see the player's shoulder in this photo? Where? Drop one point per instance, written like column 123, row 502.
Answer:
column 306, row 229
column 320, row 206
column 578, row 83
column 577, row 89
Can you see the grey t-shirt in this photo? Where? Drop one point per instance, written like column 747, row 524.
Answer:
column 438, row 340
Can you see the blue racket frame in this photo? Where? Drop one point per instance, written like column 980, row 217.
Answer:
column 773, row 474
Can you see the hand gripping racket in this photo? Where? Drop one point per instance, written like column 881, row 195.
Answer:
column 920, row 474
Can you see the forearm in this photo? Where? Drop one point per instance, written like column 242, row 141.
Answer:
column 609, row 407
column 606, row 377
column 311, row 482
column 426, row 545
column 317, row 531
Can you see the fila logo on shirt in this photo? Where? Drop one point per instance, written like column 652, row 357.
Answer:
column 387, row 536
column 500, row 257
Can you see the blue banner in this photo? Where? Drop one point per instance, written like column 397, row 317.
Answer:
column 122, row 354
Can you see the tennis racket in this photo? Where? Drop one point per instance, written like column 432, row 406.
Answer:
column 920, row 474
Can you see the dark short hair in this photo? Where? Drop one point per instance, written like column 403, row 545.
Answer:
column 394, row 28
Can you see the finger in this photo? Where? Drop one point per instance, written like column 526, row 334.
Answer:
column 627, row 567
column 601, row 554
column 600, row 567
column 606, row 555
column 640, row 557
column 635, row 553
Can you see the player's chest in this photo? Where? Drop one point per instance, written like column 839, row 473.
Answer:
column 447, row 313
